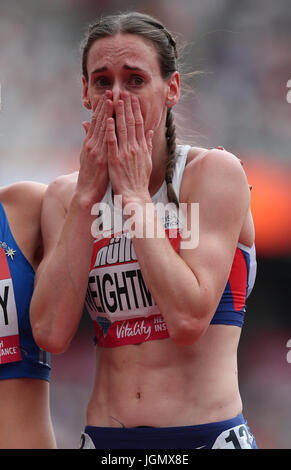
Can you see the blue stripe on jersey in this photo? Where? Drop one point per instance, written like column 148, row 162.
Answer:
column 35, row 362
column 232, row 306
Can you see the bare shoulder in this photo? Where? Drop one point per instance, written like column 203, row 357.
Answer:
column 25, row 195
column 55, row 205
column 23, row 189
column 218, row 155
column 212, row 169
column 61, row 189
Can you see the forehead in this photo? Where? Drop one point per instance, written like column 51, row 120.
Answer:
column 129, row 49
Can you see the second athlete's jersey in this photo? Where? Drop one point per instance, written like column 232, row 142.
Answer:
column 20, row 357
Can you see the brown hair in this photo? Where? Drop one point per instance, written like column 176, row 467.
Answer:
column 154, row 31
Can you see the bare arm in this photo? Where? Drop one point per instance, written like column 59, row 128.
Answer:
column 188, row 286
column 23, row 202
column 62, row 277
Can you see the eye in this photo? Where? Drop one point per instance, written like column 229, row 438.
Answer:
column 102, row 81
column 136, row 81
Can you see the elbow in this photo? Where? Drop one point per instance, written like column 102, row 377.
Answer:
column 187, row 332
column 49, row 333
column 49, row 341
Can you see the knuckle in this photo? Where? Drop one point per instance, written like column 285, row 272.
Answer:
column 122, row 129
column 102, row 162
column 139, row 122
column 88, row 146
column 110, row 135
column 99, row 118
column 130, row 122
column 111, row 140
column 133, row 150
column 93, row 153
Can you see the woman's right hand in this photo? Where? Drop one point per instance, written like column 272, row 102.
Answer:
column 93, row 174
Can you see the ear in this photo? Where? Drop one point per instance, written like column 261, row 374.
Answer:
column 173, row 94
column 85, row 97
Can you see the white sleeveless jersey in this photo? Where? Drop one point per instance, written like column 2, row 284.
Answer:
column 121, row 306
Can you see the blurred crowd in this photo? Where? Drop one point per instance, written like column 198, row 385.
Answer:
column 242, row 50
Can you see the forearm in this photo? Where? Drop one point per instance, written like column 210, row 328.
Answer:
column 174, row 286
column 60, row 289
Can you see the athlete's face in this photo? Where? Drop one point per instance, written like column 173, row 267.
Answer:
column 129, row 62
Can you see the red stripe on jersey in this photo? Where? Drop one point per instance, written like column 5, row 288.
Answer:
column 101, row 249
column 238, row 280
column 132, row 331
column 4, row 268
column 9, row 343
column 9, row 349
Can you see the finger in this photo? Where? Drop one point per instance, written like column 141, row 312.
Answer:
column 108, row 113
column 104, row 147
column 129, row 117
column 109, row 108
column 149, row 140
column 121, row 129
column 100, row 123
column 109, row 94
column 94, row 118
column 139, row 125
column 111, row 139
column 86, row 126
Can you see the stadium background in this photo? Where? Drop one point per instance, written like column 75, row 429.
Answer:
column 240, row 101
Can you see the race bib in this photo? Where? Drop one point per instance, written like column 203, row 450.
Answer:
column 238, row 437
column 118, row 300
column 133, row 331
column 116, row 287
column 9, row 334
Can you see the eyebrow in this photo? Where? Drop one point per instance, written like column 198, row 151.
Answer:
column 125, row 67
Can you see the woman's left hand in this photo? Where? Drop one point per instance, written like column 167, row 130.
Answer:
column 129, row 151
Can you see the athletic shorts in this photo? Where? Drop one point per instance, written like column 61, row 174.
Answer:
column 230, row 434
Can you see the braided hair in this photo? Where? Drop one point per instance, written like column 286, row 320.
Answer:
column 154, row 31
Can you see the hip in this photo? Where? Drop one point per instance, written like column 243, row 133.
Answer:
column 233, row 433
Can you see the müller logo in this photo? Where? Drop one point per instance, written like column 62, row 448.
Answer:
column 119, row 250
column 136, row 221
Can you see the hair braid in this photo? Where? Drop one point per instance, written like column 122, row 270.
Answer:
column 171, row 144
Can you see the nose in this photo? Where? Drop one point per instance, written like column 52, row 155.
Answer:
column 116, row 91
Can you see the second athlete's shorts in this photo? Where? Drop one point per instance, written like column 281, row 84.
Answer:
column 229, row 434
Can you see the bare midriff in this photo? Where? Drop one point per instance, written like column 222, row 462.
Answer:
column 159, row 383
